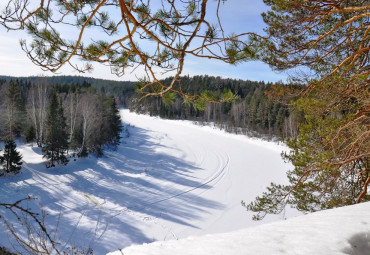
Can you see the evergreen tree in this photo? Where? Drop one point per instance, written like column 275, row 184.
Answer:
column 325, row 174
column 11, row 160
column 63, row 135
column 114, row 127
column 30, row 135
column 16, row 108
column 56, row 139
column 331, row 151
column 255, row 113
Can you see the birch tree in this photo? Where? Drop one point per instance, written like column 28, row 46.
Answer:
column 38, row 102
column 72, row 104
column 90, row 118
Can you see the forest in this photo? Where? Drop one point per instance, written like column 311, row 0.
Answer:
column 67, row 120
column 324, row 120
column 252, row 112
column 70, row 111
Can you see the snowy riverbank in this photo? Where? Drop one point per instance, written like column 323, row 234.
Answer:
column 167, row 180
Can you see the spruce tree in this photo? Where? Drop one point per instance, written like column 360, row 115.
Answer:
column 56, row 139
column 30, row 135
column 16, row 108
column 114, row 122
column 11, row 161
column 63, row 135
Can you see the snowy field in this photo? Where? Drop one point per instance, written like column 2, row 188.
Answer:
column 344, row 230
column 167, row 180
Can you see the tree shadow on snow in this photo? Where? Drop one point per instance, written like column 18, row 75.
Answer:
column 100, row 200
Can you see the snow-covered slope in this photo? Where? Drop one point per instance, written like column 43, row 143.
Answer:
column 168, row 180
column 338, row 231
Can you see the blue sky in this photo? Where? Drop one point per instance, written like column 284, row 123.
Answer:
column 237, row 16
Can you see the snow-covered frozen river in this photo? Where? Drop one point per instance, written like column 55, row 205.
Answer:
column 167, row 180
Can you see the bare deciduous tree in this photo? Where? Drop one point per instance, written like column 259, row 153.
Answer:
column 38, row 102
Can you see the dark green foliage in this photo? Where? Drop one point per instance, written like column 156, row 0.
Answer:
column 253, row 112
column 122, row 90
column 12, row 107
column 76, row 140
column 112, row 124
column 16, row 108
column 56, row 138
column 4, row 251
column 271, row 202
column 331, row 151
column 70, row 87
column 104, row 124
column 250, row 110
column 83, row 153
column 11, row 161
column 30, row 134
column 319, row 35
column 331, row 167
column 100, row 126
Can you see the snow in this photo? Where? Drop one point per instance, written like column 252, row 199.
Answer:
column 343, row 230
column 167, row 180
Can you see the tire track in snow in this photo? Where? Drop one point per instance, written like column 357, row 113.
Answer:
column 199, row 158
column 214, row 178
column 198, row 161
column 220, row 174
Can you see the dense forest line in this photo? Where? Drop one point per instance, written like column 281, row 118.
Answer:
column 121, row 90
column 60, row 118
column 252, row 113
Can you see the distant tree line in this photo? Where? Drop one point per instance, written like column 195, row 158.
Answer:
column 121, row 90
column 252, row 113
column 60, row 118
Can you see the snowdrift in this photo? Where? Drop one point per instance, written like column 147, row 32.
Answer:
column 343, row 230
